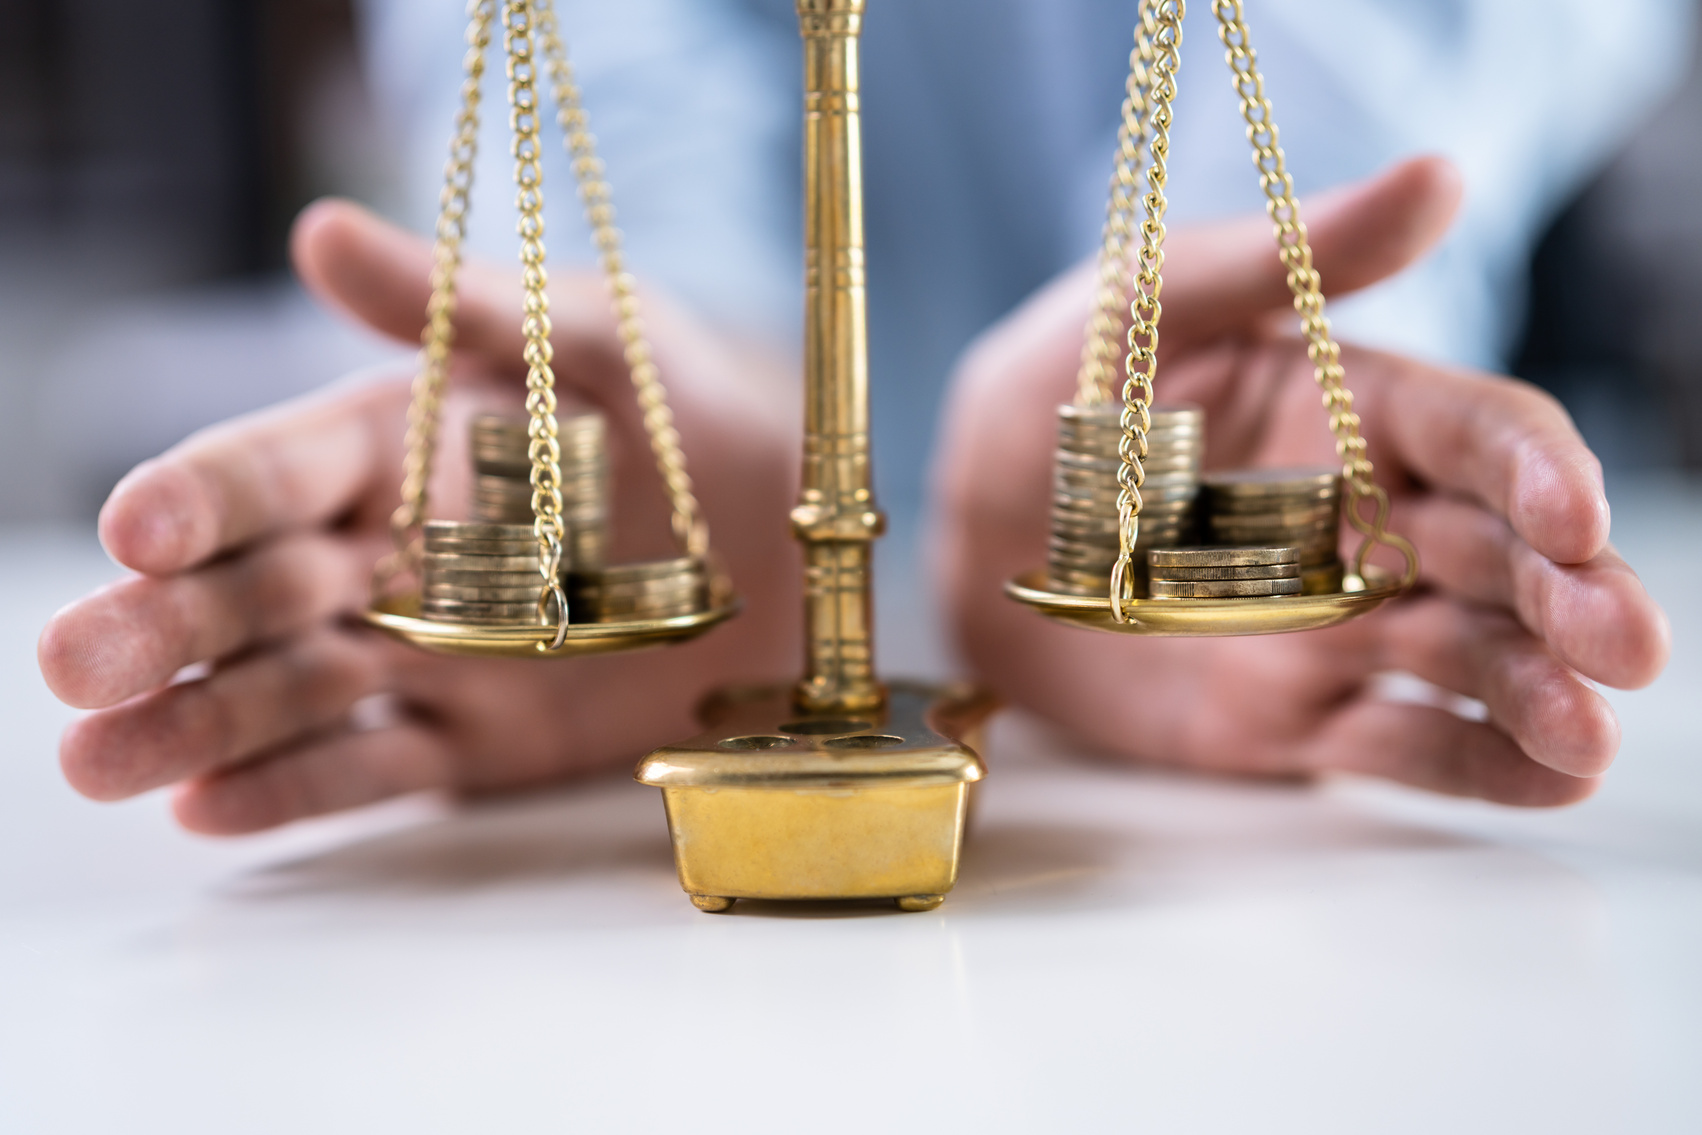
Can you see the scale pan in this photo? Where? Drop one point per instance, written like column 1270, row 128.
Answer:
column 399, row 618
column 1202, row 618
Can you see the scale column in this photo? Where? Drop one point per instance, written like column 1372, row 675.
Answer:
column 836, row 519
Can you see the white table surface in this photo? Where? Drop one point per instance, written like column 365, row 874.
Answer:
column 1125, row 951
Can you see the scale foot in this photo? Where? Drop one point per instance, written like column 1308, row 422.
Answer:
column 920, row 902
column 714, row 904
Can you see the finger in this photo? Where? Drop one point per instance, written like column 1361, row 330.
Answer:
column 1220, row 279
column 1553, row 715
column 1596, row 616
column 257, row 704
column 301, row 463
column 1433, row 749
column 330, row 774
column 132, row 636
column 380, row 274
column 1496, row 440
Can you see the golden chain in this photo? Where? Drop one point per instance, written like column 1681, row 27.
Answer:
column 1296, row 253
column 544, row 448
column 1161, row 25
column 1099, row 348
column 438, row 336
column 690, row 527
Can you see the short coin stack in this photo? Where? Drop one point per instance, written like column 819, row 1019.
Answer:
column 1294, row 508
column 657, row 589
column 1084, row 546
column 480, row 573
column 502, row 481
column 1223, row 573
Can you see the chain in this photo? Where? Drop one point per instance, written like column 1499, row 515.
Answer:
column 1161, row 24
column 1296, row 253
column 544, row 449
column 690, row 527
column 438, row 336
column 1099, row 348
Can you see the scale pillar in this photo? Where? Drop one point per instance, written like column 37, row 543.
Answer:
column 836, row 519
column 838, row 786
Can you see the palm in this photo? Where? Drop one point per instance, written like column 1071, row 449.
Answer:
column 1521, row 599
column 255, row 542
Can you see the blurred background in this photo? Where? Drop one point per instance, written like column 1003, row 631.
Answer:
column 152, row 156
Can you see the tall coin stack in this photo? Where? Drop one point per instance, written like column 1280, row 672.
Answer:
column 1296, row 508
column 655, row 589
column 502, row 482
column 1083, row 546
column 1223, row 573
column 480, row 573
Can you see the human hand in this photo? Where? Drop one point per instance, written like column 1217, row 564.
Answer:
column 1522, row 604
column 253, row 541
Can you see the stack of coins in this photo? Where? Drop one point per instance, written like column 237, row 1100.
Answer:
column 658, row 589
column 1083, row 547
column 1298, row 508
column 1222, row 573
column 480, row 573
column 502, row 481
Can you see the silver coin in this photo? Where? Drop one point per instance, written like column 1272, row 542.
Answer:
column 1245, row 571
column 1222, row 557
column 1222, row 588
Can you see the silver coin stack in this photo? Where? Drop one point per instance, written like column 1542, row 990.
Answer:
column 1083, row 546
column 657, row 589
column 480, row 573
column 502, row 481
column 1223, row 573
column 1296, row 508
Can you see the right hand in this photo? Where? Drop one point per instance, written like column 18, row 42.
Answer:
column 253, row 542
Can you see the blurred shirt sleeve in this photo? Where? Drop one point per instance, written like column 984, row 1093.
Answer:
column 692, row 103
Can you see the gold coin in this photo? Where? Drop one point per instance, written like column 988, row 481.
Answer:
column 1221, row 557
column 448, row 530
column 1221, row 588
column 1245, row 571
column 482, row 594
column 458, row 561
column 1272, row 482
column 522, row 581
column 1088, row 582
column 525, row 612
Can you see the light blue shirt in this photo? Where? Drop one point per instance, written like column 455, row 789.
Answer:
column 988, row 131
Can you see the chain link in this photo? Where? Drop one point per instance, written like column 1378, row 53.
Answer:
column 438, row 336
column 1104, row 329
column 1296, row 252
column 690, row 527
column 544, row 447
column 1161, row 25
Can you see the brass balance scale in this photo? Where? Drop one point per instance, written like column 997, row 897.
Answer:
column 842, row 786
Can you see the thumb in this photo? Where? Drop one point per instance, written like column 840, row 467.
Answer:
column 1221, row 279
column 352, row 260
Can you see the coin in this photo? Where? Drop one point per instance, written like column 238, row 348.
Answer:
column 1272, row 482
column 1245, row 571
column 454, row 561
column 1222, row 588
column 524, row 611
column 441, row 531
column 1221, row 557
column 483, row 594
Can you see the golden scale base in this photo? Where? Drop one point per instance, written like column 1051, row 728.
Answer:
column 837, row 788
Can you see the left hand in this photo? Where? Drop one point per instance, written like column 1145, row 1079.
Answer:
column 1522, row 603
